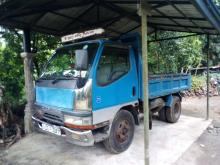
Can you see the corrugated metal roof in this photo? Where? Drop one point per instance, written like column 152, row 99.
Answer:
column 61, row 17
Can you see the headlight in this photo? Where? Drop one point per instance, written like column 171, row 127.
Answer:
column 74, row 120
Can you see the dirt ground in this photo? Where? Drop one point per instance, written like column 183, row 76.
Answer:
column 196, row 107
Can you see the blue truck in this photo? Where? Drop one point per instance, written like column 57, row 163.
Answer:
column 91, row 91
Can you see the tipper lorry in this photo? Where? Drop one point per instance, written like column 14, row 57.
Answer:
column 91, row 91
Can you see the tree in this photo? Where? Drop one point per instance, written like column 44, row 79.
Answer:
column 190, row 53
column 11, row 64
column 11, row 73
column 175, row 55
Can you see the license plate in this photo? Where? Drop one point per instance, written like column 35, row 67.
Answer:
column 51, row 128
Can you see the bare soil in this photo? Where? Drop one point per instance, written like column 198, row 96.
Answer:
column 196, row 107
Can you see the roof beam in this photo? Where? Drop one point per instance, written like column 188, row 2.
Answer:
column 124, row 2
column 113, row 21
column 159, row 5
column 177, row 17
column 172, row 25
column 91, row 25
column 120, row 11
column 184, row 15
column 173, row 30
column 67, row 27
column 19, row 9
column 22, row 25
column 171, row 19
column 81, row 21
column 108, row 21
column 88, row 24
column 45, row 8
column 35, row 21
column 178, row 2
column 173, row 38
column 132, row 29
column 207, row 12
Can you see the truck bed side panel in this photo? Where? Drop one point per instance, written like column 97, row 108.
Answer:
column 162, row 85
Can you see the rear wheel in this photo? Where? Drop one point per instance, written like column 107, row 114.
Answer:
column 162, row 114
column 121, row 133
column 173, row 113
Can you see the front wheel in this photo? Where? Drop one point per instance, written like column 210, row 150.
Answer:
column 121, row 133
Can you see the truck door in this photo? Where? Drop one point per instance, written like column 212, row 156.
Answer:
column 115, row 83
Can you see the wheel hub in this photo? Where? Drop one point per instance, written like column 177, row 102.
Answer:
column 122, row 131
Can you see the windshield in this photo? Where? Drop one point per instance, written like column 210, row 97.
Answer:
column 62, row 64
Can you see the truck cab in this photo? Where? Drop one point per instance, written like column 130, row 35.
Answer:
column 91, row 91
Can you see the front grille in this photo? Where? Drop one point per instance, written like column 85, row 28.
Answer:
column 48, row 115
column 53, row 119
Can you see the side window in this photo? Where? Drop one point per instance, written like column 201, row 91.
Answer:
column 113, row 64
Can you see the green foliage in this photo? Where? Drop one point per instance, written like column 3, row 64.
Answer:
column 162, row 54
column 11, row 73
column 214, row 50
column 11, row 63
column 44, row 45
column 198, row 82
column 174, row 56
column 190, row 53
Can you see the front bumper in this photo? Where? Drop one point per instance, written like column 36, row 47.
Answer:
column 82, row 138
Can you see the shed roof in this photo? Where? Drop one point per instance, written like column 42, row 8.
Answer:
column 61, row 17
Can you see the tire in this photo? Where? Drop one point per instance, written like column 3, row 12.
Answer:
column 173, row 113
column 121, row 133
column 162, row 114
column 150, row 120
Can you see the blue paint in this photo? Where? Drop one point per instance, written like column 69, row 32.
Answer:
column 134, row 40
column 169, row 100
column 55, row 97
column 117, row 92
column 165, row 86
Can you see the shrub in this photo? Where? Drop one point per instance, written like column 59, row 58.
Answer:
column 198, row 82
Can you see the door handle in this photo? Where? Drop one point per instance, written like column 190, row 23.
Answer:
column 133, row 91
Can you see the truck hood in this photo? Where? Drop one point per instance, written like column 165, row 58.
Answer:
column 60, row 94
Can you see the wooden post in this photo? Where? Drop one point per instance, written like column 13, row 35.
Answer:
column 143, row 12
column 207, row 79
column 29, row 86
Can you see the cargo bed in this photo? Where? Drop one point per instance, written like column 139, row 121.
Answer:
column 162, row 85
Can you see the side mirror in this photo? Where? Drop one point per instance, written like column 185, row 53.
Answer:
column 81, row 56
